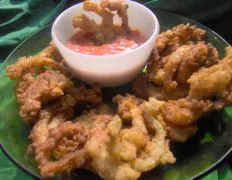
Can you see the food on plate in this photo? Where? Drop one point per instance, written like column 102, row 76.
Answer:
column 73, row 127
column 40, row 81
column 105, row 38
column 176, row 68
column 178, row 54
column 213, row 82
column 168, row 41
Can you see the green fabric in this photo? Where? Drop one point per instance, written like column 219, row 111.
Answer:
column 20, row 18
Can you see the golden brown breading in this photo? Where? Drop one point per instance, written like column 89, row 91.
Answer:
column 107, row 166
column 106, row 30
column 47, row 87
column 176, row 68
column 156, row 151
column 91, row 96
column 138, row 135
column 50, row 117
column 51, row 51
column 180, row 133
column 179, row 35
column 34, row 65
column 66, row 144
column 213, row 81
column 185, row 111
column 40, row 81
column 125, row 104
column 120, row 6
column 87, row 116
column 175, row 133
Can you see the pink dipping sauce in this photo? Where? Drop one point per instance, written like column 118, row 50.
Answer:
column 80, row 43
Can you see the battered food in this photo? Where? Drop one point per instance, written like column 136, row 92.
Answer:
column 72, row 126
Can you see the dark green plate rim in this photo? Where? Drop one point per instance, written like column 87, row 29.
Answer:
column 200, row 175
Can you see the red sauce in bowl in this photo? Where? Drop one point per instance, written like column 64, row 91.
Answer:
column 80, row 43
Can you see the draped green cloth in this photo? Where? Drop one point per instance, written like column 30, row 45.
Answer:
column 20, row 18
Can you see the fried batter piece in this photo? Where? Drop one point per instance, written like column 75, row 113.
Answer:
column 185, row 111
column 47, row 87
column 154, row 108
column 40, row 81
column 51, row 51
column 178, row 35
column 147, row 136
column 91, row 96
column 87, row 116
column 34, row 65
column 105, row 31
column 98, row 147
column 64, row 144
column 214, row 81
column 125, row 104
column 176, row 68
column 49, row 118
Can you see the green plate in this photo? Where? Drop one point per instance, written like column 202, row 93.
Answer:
column 195, row 158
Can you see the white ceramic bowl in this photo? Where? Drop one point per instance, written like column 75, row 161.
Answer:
column 107, row 70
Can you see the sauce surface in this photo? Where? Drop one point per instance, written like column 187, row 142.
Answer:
column 80, row 43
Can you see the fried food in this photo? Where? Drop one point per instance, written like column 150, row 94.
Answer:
column 105, row 31
column 40, row 81
column 34, row 65
column 87, row 116
column 65, row 143
column 184, row 112
column 157, row 148
column 51, row 51
column 185, row 80
column 47, row 87
column 142, row 128
column 91, row 96
column 212, row 82
column 155, row 108
column 98, row 147
column 176, row 68
column 125, row 104
column 178, row 35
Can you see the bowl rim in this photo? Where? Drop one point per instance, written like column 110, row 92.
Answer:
column 36, row 176
column 105, row 57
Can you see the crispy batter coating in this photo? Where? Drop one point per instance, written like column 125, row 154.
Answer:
column 47, row 87
column 87, row 116
column 228, row 52
column 184, row 112
column 154, row 150
column 65, row 143
column 98, row 147
column 125, row 104
column 33, row 64
column 40, row 81
column 137, row 136
column 213, row 81
column 49, row 118
column 154, row 108
column 180, row 133
column 121, row 144
column 91, row 96
column 51, row 51
column 177, row 36
column 106, row 30
column 176, row 68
